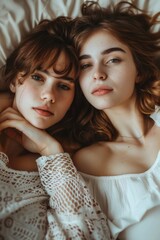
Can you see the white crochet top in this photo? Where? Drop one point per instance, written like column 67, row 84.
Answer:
column 51, row 204
column 131, row 201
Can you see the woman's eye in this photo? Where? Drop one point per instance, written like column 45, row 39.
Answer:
column 84, row 66
column 114, row 60
column 64, row 87
column 37, row 77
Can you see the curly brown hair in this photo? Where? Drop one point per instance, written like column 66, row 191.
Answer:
column 136, row 29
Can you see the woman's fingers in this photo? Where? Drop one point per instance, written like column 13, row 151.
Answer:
column 32, row 138
column 18, row 124
column 9, row 113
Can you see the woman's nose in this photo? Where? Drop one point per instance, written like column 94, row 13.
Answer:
column 48, row 95
column 99, row 74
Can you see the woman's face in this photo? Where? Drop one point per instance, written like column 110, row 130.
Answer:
column 108, row 73
column 44, row 97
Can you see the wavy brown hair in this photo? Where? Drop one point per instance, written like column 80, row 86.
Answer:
column 41, row 50
column 136, row 29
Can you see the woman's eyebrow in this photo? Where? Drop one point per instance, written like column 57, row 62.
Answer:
column 106, row 51
column 114, row 49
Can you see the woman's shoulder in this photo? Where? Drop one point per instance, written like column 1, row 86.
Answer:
column 25, row 162
column 21, row 164
column 88, row 159
column 90, row 151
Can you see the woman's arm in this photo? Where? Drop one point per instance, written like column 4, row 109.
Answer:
column 73, row 211
column 27, row 135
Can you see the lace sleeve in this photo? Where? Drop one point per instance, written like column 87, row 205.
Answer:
column 73, row 213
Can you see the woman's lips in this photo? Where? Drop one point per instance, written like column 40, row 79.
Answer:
column 43, row 112
column 101, row 91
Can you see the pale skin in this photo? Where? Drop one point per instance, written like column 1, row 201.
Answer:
column 108, row 76
column 40, row 101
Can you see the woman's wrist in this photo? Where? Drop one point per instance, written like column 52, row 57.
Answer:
column 52, row 149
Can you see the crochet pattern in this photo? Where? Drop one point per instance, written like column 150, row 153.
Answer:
column 69, row 196
column 52, row 204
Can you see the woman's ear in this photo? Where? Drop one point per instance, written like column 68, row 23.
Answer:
column 17, row 81
column 12, row 87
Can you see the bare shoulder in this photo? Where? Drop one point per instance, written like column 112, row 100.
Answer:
column 90, row 159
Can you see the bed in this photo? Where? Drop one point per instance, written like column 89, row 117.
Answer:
column 17, row 17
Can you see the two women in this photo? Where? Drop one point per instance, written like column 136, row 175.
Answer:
column 119, row 125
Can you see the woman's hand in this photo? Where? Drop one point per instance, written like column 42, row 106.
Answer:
column 33, row 139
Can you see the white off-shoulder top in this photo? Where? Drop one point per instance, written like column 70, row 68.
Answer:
column 131, row 201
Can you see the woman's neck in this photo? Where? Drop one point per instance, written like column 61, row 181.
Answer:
column 10, row 146
column 19, row 158
column 6, row 100
column 129, row 122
